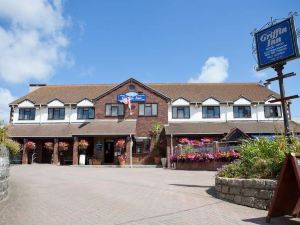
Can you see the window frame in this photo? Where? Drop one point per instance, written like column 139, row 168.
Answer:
column 57, row 108
column 244, row 106
column 277, row 106
column 182, row 107
column 151, row 105
column 144, row 146
column 114, row 105
column 88, row 113
column 207, row 106
column 26, row 109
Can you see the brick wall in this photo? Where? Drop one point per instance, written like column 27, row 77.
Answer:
column 143, row 123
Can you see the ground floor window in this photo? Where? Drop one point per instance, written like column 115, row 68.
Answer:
column 142, row 145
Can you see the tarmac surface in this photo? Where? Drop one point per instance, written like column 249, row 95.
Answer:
column 67, row 195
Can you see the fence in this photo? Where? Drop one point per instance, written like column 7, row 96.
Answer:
column 4, row 171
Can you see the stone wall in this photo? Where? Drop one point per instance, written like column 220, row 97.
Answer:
column 255, row 193
column 4, row 172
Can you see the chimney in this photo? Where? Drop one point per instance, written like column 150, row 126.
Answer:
column 268, row 85
column 33, row 87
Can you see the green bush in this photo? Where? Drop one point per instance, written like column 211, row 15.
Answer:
column 261, row 158
column 13, row 146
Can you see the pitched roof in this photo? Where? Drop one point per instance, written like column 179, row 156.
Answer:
column 269, row 127
column 193, row 92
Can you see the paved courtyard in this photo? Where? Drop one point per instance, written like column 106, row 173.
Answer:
column 51, row 195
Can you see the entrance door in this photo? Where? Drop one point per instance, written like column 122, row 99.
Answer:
column 109, row 151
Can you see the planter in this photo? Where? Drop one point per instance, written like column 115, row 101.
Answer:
column 255, row 193
column 164, row 162
column 157, row 160
column 208, row 165
column 122, row 162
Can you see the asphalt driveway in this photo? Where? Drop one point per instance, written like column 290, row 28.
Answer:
column 53, row 195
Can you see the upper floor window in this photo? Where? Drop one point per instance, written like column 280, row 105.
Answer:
column 27, row 114
column 56, row 113
column 272, row 111
column 114, row 110
column 85, row 113
column 181, row 112
column 211, row 111
column 147, row 109
column 242, row 111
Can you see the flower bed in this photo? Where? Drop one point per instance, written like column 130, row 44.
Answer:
column 203, row 161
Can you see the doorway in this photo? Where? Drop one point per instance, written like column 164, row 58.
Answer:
column 109, row 151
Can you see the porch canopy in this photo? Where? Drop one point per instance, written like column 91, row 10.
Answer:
column 248, row 127
column 93, row 128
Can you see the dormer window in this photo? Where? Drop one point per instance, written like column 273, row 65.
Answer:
column 56, row 113
column 85, row 113
column 27, row 114
column 211, row 111
column 242, row 111
column 273, row 111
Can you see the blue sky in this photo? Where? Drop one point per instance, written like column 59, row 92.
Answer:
column 108, row 41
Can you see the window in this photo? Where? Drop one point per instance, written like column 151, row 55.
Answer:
column 242, row 111
column 181, row 112
column 142, row 146
column 84, row 113
column 114, row 110
column 272, row 111
column 131, row 87
column 27, row 114
column 147, row 109
column 56, row 113
column 211, row 111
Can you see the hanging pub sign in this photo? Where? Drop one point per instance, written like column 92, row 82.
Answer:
column 276, row 44
column 133, row 96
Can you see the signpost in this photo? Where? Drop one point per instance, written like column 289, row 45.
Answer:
column 275, row 45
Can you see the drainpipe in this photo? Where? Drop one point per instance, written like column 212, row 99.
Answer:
column 41, row 113
column 130, row 150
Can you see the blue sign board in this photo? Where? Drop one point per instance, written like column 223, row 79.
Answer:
column 277, row 43
column 134, row 97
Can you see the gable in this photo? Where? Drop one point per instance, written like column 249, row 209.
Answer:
column 125, row 87
column 180, row 101
column 210, row 101
column 85, row 103
column 26, row 104
column 271, row 103
column 242, row 101
column 55, row 103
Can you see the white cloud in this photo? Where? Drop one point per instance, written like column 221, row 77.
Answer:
column 32, row 41
column 215, row 69
column 6, row 98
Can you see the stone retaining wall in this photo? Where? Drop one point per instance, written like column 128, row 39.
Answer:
column 4, row 172
column 255, row 193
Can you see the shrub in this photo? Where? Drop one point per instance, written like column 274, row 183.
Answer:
column 261, row 158
column 13, row 146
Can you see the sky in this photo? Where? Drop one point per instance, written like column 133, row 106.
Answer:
column 108, row 41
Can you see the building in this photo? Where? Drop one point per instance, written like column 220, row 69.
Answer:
column 97, row 113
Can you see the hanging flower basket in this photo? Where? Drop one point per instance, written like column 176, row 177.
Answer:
column 120, row 143
column 83, row 144
column 63, row 146
column 30, row 145
column 49, row 146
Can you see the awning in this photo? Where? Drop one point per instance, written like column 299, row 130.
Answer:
column 249, row 127
column 68, row 130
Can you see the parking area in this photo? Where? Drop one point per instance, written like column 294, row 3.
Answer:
column 53, row 195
